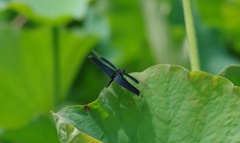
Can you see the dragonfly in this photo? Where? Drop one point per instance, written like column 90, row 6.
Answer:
column 114, row 73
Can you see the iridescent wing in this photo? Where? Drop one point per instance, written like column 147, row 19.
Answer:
column 124, row 83
column 111, row 73
column 111, row 65
column 105, row 68
column 132, row 78
column 104, row 60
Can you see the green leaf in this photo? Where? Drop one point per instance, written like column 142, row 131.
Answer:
column 213, row 63
column 23, row 65
column 74, row 49
column 39, row 130
column 26, row 71
column 222, row 15
column 54, row 11
column 232, row 73
column 178, row 106
column 70, row 134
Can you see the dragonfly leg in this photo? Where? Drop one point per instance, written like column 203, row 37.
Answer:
column 109, row 82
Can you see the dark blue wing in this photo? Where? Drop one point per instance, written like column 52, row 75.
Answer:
column 132, row 78
column 106, row 69
column 104, row 60
column 124, row 83
column 109, row 63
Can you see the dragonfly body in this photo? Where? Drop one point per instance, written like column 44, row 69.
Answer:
column 114, row 73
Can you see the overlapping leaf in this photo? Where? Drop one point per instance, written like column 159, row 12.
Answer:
column 53, row 12
column 178, row 106
column 27, row 76
column 22, row 68
column 39, row 126
column 232, row 73
column 222, row 15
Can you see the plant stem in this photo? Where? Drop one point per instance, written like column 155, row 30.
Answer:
column 191, row 34
column 56, row 68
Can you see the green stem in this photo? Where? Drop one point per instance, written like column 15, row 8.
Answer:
column 56, row 68
column 191, row 34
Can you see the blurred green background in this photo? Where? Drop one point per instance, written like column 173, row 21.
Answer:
column 44, row 46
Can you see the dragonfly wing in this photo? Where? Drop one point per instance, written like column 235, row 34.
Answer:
column 132, row 78
column 109, row 63
column 104, row 60
column 124, row 83
column 106, row 69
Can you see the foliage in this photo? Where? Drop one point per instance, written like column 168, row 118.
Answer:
column 221, row 15
column 178, row 106
column 232, row 73
column 38, row 64
column 219, row 25
column 43, row 64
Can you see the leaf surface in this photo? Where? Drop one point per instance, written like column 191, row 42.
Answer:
column 27, row 71
column 232, row 73
column 178, row 106
column 53, row 12
column 39, row 130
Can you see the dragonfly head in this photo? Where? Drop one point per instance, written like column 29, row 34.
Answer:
column 119, row 71
column 122, row 70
